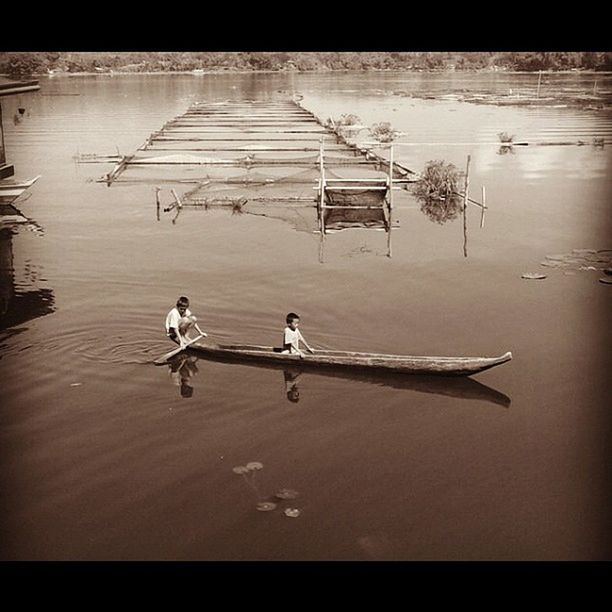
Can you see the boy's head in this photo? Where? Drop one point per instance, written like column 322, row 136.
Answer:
column 182, row 304
column 293, row 320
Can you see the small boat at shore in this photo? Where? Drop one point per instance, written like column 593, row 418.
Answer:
column 373, row 362
column 11, row 188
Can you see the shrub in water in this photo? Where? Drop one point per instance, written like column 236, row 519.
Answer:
column 383, row 132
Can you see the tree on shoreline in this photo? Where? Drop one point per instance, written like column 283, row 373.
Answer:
column 27, row 63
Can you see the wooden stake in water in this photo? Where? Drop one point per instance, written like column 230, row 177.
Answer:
column 390, row 199
column 157, row 190
column 322, row 194
column 177, row 199
column 539, row 80
column 484, row 205
column 465, row 202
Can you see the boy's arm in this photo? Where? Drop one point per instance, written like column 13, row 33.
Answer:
column 295, row 346
column 173, row 326
column 178, row 335
column 190, row 314
column 310, row 350
column 199, row 330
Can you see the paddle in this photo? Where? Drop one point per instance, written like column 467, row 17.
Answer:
column 161, row 360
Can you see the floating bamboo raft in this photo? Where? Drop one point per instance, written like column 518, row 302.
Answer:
column 219, row 141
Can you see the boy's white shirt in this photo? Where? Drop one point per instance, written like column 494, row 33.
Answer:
column 174, row 317
column 293, row 337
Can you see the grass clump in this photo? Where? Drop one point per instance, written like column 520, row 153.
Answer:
column 383, row 132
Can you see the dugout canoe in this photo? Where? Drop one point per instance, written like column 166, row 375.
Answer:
column 373, row 362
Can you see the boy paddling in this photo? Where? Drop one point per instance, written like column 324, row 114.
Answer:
column 180, row 321
column 292, row 336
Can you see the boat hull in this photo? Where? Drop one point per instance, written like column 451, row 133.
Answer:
column 373, row 362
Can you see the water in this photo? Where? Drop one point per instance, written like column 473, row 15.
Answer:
column 103, row 456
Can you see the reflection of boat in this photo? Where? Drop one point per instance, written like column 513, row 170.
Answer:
column 458, row 386
column 20, row 299
column 10, row 215
column 373, row 362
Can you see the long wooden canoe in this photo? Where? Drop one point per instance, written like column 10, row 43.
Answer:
column 403, row 364
column 460, row 387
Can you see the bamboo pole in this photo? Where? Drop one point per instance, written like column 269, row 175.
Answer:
column 192, row 137
column 322, row 195
column 227, row 116
column 242, row 163
column 357, row 180
column 245, row 128
column 239, row 121
column 118, row 169
column 484, row 206
column 364, row 187
column 177, row 199
column 321, row 247
column 465, row 199
column 390, row 199
column 351, row 207
column 248, row 148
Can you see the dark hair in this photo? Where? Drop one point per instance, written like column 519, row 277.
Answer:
column 293, row 395
column 186, row 390
column 292, row 316
column 182, row 301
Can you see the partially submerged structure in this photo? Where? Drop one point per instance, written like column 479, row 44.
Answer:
column 252, row 155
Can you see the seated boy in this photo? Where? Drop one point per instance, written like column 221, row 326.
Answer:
column 292, row 336
column 180, row 321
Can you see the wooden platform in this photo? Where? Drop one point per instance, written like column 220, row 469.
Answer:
column 274, row 152
column 248, row 133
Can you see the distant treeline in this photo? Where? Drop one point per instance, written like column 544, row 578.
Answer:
column 23, row 63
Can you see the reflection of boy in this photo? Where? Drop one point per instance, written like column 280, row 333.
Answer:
column 180, row 372
column 291, row 385
column 186, row 390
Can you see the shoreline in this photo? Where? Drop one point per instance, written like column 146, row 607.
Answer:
column 112, row 72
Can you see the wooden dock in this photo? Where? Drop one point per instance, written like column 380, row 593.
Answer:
column 249, row 134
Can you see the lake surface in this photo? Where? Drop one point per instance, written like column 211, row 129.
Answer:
column 105, row 456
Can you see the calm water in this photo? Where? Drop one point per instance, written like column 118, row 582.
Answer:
column 104, row 458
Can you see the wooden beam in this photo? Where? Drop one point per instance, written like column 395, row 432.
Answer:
column 465, row 199
column 254, row 148
column 484, row 206
column 390, row 199
column 118, row 169
column 322, row 190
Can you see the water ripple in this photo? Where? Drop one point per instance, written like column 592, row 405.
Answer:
column 136, row 346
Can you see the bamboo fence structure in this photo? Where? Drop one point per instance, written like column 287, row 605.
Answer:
column 275, row 152
column 259, row 155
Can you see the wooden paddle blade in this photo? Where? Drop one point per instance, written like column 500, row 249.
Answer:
column 164, row 358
